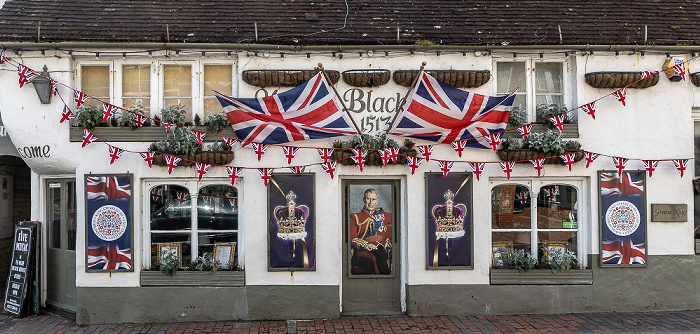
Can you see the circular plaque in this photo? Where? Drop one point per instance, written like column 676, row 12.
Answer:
column 622, row 218
column 109, row 223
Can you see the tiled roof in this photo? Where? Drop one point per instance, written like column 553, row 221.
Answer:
column 297, row 22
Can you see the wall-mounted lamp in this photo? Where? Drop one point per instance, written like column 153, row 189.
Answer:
column 42, row 85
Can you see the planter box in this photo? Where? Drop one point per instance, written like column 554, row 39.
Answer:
column 620, row 79
column 344, row 157
column 525, row 155
column 541, row 277
column 366, row 78
column 212, row 158
column 459, row 79
column 283, row 78
column 143, row 134
column 570, row 131
column 697, row 246
column 695, row 78
column 193, row 278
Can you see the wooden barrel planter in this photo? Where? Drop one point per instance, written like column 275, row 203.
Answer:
column 283, row 78
column 695, row 78
column 344, row 157
column 524, row 155
column 619, row 80
column 366, row 78
column 454, row 78
column 209, row 157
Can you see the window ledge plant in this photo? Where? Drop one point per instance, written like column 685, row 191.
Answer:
column 557, row 269
column 538, row 145
column 343, row 154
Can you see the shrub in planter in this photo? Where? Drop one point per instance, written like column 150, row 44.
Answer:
column 169, row 264
column 368, row 142
column 518, row 116
column 90, row 116
column 539, row 145
column 545, row 142
column 546, row 111
column 173, row 114
column 217, row 122
column 129, row 118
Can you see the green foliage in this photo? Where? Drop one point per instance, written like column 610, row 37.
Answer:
column 219, row 146
column 518, row 116
column 205, row 263
column 572, row 145
column 379, row 141
column 424, row 42
column 180, row 140
column 545, row 142
column 559, row 261
column 174, row 114
column 169, row 264
column 407, row 143
column 546, row 111
column 217, row 122
column 338, row 144
column 510, row 143
column 89, row 116
column 523, row 261
column 129, row 118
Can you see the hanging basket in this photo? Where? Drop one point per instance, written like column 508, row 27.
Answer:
column 283, row 78
column 525, row 155
column 459, row 79
column 208, row 157
column 619, row 80
column 366, row 78
column 344, row 157
column 695, row 78
column 696, row 186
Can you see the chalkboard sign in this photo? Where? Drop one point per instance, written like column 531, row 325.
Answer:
column 21, row 268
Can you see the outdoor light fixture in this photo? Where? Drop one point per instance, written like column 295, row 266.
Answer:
column 42, row 85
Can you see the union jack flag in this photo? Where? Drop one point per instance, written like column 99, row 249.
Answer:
column 359, row 157
column 385, row 154
column 620, row 95
column 108, row 257
column 259, row 149
column 325, row 154
column 441, row 113
column 393, row 153
column 329, row 167
column 507, row 167
column 114, row 153
column 623, row 251
column 171, row 161
column 625, row 184
column 3, row 59
column 558, row 122
column 148, row 158
column 289, row 152
column 233, row 173
column 681, row 165
column 202, row 169
column 230, row 142
column 54, row 86
column 647, row 74
column 650, row 166
column 459, row 146
column 26, row 74
column 140, row 120
column 168, row 127
column 308, row 111
column 298, row 169
column 414, row 163
column 107, row 188
column 67, row 114
column 494, row 139
column 620, row 163
column 477, row 168
column 568, row 159
column 426, row 151
column 525, row 130
column 590, row 157
column 589, row 109
column 538, row 165
column 680, row 70
column 445, row 167
column 79, row 98
column 108, row 111
column 88, row 137
column 200, row 136
column 265, row 174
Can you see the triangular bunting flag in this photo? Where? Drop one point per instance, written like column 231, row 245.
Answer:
column 646, row 74
column 558, row 122
column 590, row 157
column 325, row 154
column 568, row 159
column 298, row 169
column 589, row 109
column 67, row 114
column 265, row 174
column 79, row 98
column 54, row 86
column 385, row 154
column 414, row 163
column 459, row 146
column 680, row 70
column 168, row 126
column 650, row 166
column 359, row 157
column 289, row 152
column 538, row 165
column 202, row 169
column 25, row 75
column 393, row 153
column 525, row 130
column 233, row 173
column 140, row 120
column 200, row 136
column 329, row 167
column 426, row 151
column 148, row 158
column 259, row 149
column 620, row 164
column 3, row 59
column 230, row 142
column 445, row 167
column 620, row 95
column 507, row 167
column 171, row 161
column 88, row 137
column 681, row 165
column 494, row 140
column 114, row 153
column 477, row 168
column 108, row 111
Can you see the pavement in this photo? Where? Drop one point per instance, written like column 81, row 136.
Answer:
column 662, row 322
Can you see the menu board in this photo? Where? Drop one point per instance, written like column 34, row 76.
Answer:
column 21, row 268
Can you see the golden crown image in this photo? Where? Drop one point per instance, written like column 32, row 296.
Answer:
column 291, row 219
column 449, row 217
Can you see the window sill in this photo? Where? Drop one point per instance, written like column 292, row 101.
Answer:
column 194, row 278
column 697, row 246
column 570, row 131
column 541, row 277
column 143, row 134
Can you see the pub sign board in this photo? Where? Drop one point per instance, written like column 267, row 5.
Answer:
column 21, row 268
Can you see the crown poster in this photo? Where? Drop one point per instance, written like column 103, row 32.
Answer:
column 291, row 222
column 449, row 219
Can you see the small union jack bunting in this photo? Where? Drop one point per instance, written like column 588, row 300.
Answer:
column 67, row 114
column 680, row 70
column 589, row 109
column 590, row 157
column 114, row 153
column 558, row 122
column 148, row 158
column 3, row 59
column 298, row 169
column 200, row 136
column 393, row 153
column 459, row 146
column 230, row 142
column 329, row 167
column 477, row 168
column 325, row 154
column 650, row 166
column 289, row 152
column 202, row 169
column 259, row 149
column 507, row 167
column 414, row 163
column 525, row 130
column 620, row 164
column 568, row 159
column 445, row 167
column 265, row 174
column 140, row 120
column 359, row 157
column 79, row 98
column 88, row 137
column 385, row 154
column 233, row 173
column 620, row 95
column 54, row 86
column 426, row 151
column 168, row 127
column 171, row 161
column 681, row 165
column 538, row 165
column 494, row 139
column 108, row 111
column 25, row 75
column 646, row 74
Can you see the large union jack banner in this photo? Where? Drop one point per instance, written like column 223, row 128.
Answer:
column 441, row 113
column 109, row 222
column 308, row 111
column 623, row 218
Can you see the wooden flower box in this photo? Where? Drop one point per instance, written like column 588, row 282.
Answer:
column 366, row 78
column 344, row 157
column 619, row 80
column 193, row 278
column 283, row 78
column 541, row 277
column 454, row 78
column 143, row 134
column 525, row 155
column 209, row 157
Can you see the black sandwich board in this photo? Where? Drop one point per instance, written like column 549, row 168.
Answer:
column 23, row 271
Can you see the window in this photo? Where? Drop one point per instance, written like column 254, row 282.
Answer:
column 550, row 221
column 177, row 87
column 96, row 82
column 197, row 228
column 136, row 86
column 537, row 83
column 216, row 78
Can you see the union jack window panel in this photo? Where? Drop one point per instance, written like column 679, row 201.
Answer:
column 623, row 218
column 109, row 217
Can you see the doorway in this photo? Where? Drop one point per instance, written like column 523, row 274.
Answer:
column 61, row 236
column 371, row 247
